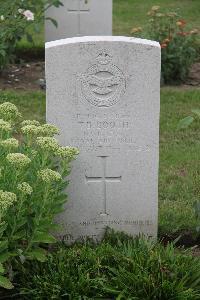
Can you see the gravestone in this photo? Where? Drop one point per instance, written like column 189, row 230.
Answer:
column 79, row 18
column 103, row 93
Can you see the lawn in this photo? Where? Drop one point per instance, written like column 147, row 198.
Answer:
column 179, row 161
column 179, row 154
column 130, row 13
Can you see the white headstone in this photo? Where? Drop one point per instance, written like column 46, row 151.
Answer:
column 79, row 18
column 103, row 93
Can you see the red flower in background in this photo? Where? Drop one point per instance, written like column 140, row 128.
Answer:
column 163, row 45
column 181, row 23
column 182, row 33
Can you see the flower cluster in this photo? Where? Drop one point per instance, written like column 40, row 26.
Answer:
column 6, row 200
column 181, row 23
column 47, row 144
column 25, row 188
column 33, row 153
column 5, row 126
column 67, row 152
column 30, row 122
column 49, row 130
column 9, row 112
column 170, row 18
column 178, row 45
column 34, row 128
column 9, row 144
column 177, row 32
column 18, row 160
column 48, row 175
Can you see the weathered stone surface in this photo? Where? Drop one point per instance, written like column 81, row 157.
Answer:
column 79, row 18
column 103, row 93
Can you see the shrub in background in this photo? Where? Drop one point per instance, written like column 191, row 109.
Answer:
column 33, row 167
column 15, row 20
column 178, row 43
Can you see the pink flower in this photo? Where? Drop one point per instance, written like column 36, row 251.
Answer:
column 28, row 15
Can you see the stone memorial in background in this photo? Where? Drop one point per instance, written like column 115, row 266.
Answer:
column 79, row 18
column 104, row 94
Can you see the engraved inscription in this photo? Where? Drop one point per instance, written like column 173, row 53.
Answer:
column 118, row 222
column 71, row 239
column 104, row 179
column 112, row 132
column 121, row 222
column 104, row 83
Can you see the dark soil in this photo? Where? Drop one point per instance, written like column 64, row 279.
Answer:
column 30, row 76
column 187, row 239
column 194, row 76
column 9, row 294
column 24, row 76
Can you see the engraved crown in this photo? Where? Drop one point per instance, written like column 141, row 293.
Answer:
column 104, row 58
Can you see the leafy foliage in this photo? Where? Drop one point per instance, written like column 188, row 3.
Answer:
column 15, row 20
column 118, row 268
column 184, row 123
column 33, row 168
column 178, row 44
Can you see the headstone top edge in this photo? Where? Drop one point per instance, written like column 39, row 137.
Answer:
column 85, row 39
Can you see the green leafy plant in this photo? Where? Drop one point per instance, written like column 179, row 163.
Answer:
column 187, row 121
column 15, row 19
column 33, row 168
column 178, row 43
column 118, row 268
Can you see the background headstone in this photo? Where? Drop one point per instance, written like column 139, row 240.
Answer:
column 79, row 18
column 103, row 93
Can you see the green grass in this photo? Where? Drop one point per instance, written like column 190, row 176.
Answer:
column 179, row 185
column 117, row 268
column 130, row 13
column 30, row 104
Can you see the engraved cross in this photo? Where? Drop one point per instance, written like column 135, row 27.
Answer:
column 104, row 179
column 79, row 7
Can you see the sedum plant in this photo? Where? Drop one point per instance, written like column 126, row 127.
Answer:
column 33, row 168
